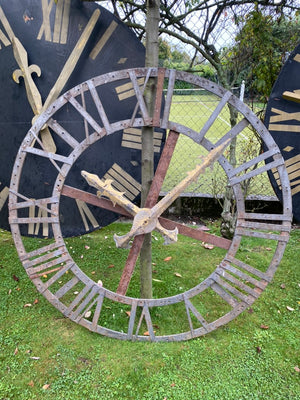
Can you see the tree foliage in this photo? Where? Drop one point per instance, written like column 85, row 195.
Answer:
column 202, row 27
column 261, row 48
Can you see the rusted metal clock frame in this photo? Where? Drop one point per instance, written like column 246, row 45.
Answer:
column 236, row 282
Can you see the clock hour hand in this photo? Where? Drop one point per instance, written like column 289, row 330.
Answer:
column 105, row 189
column 32, row 91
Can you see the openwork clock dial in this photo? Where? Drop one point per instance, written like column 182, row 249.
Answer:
column 210, row 301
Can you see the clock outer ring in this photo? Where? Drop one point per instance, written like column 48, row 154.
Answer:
column 287, row 139
column 241, row 224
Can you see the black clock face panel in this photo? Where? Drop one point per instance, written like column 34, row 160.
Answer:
column 283, row 122
column 49, row 31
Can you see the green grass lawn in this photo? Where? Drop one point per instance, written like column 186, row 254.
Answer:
column 46, row 356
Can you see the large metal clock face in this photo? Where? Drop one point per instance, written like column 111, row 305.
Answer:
column 209, row 301
column 40, row 49
column 283, row 121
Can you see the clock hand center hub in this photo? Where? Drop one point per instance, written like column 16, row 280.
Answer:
column 145, row 219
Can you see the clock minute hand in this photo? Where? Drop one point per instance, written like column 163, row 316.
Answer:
column 33, row 94
column 170, row 197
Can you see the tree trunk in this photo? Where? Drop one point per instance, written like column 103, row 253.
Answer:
column 147, row 142
column 229, row 212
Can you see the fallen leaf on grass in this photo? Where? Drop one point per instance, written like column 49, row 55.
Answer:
column 208, row 246
column 87, row 314
column 178, row 275
column 27, row 305
column 34, row 358
column 46, row 386
column 15, row 278
column 111, row 266
column 258, row 349
column 173, row 384
column 147, row 333
column 31, row 383
column 36, row 301
column 87, row 247
column 168, row 258
column 127, row 313
column 282, row 286
column 290, row 308
column 297, row 369
column 16, row 351
column 156, row 280
column 264, row 326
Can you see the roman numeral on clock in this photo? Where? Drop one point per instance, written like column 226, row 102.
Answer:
column 123, row 181
column 47, row 260
column 293, row 169
column 126, row 90
column 61, row 22
column 103, row 40
column 86, row 215
column 280, row 116
column 145, row 316
column 3, row 196
column 35, row 220
column 6, row 33
column 132, row 138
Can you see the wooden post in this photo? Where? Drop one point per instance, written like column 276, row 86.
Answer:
column 147, row 141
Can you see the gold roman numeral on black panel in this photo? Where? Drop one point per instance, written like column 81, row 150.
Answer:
column 3, row 196
column 293, row 169
column 61, row 21
column 86, row 215
column 283, row 116
column 132, row 138
column 103, row 40
column 123, row 181
column 6, row 33
column 126, row 90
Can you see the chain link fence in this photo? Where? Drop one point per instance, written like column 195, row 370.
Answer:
column 192, row 107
